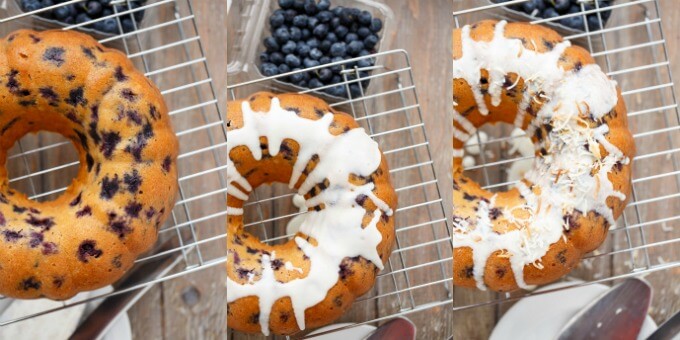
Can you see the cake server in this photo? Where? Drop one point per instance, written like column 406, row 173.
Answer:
column 617, row 314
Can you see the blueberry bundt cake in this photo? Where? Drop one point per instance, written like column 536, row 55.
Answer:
column 579, row 184
column 346, row 235
column 67, row 83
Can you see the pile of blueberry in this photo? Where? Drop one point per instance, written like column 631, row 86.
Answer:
column 554, row 8
column 85, row 11
column 307, row 33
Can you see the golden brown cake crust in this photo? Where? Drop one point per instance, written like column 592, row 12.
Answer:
column 586, row 232
column 244, row 251
column 66, row 82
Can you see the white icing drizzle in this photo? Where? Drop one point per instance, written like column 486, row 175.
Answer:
column 458, row 153
column 464, row 122
column 573, row 151
column 234, row 211
column 337, row 229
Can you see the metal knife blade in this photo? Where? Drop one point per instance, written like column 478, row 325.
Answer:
column 618, row 314
column 668, row 330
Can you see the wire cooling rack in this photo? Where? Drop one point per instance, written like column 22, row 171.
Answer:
column 166, row 46
column 417, row 276
column 632, row 50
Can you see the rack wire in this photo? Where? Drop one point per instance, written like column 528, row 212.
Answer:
column 632, row 50
column 417, row 276
column 167, row 47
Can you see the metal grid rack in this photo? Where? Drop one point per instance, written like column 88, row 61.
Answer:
column 417, row 276
column 166, row 46
column 632, row 50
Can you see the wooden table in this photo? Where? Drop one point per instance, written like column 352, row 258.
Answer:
column 477, row 322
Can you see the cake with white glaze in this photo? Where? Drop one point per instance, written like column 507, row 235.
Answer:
column 342, row 181
column 562, row 208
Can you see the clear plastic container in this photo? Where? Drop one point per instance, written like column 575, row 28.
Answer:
column 249, row 25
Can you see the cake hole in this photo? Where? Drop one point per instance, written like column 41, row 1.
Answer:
column 270, row 213
column 497, row 156
column 42, row 165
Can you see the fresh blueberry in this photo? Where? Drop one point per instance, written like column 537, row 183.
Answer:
column 363, row 32
column 277, row 20
column 325, row 74
column 324, row 60
column 264, row 57
column 108, row 26
column 364, row 53
column 376, row 25
column 573, row 22
column 309, row 63
column 315, row 54
column 550, row 12
column 71, row 20
column 293, row 60
column 341, row 31
column 300, row 20
column 336, row 79
column 335, row 22
column 297, row 77
column 299, row 5
column 337, row 11
column 562, row 6
column 93, row 8
column 289, row 15
column 295, row 34
column 337, row 91
column 347, row 16
column 303, row 84
column 314, row 83
column 339, row 49
column 303, row 49
column 283, row 68
column 355, row 47
column 325, row 16
column 312, row 22
column 286, row 4
column 276, row 58
column 128, row 25
column 138, row 15
column 271, row 44
column 533, row 5
column 337, row 68
column 351, row 37
column 60, row 13
column 594, row 23
column 282, row 34
column 320, row 31
column 363, row 63
column 306, row 33
column 310, row 7
column 355, row 90
column 324, row 5
column 313, row 42
column 269, row 69
column 325, row 46
column 289, row 47
column 82, row 18
column 30, row 5
column 106, row 12
column 371, row 41
column 365, row 18
column 332, row 37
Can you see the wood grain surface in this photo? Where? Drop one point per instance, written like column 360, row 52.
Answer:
column 638, row 242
